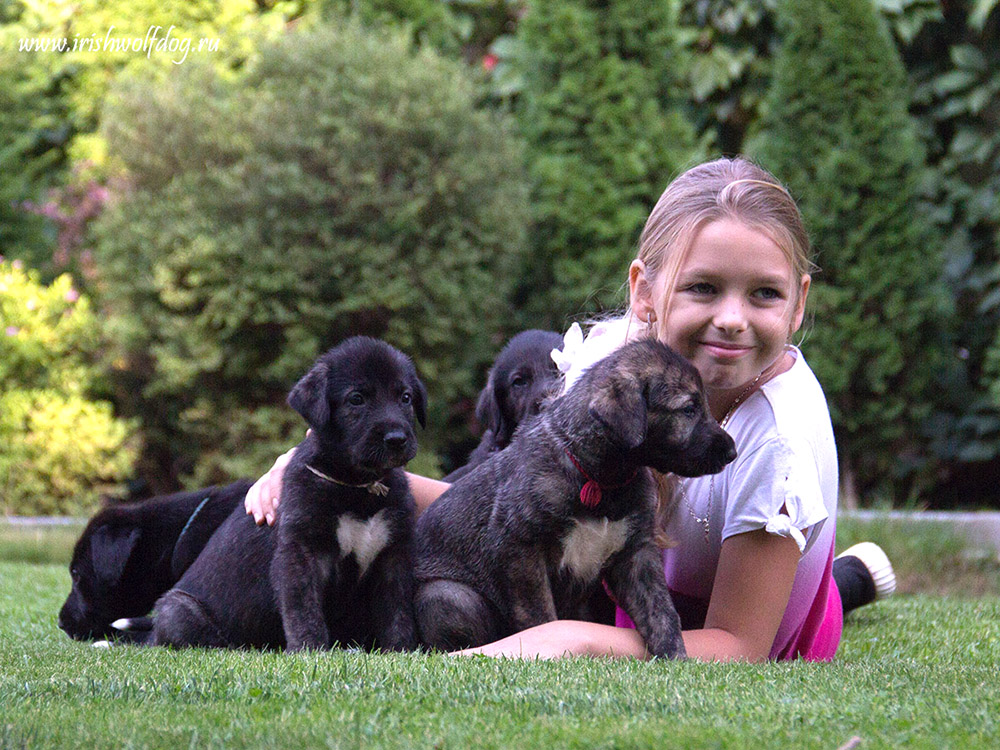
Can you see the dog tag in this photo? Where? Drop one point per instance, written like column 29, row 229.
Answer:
column 590, row 494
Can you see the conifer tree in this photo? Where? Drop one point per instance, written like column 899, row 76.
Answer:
column 837, row 131
column 597, row 104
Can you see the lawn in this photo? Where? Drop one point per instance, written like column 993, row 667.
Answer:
column 917, row 670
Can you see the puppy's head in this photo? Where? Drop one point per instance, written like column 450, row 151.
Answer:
column 361, row 399
column 521, row 379
column 100, row 592
column 651, row 401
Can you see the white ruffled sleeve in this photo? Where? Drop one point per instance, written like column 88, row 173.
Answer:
column 776, row 488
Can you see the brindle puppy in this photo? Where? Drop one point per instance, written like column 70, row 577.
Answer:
column 522, row 378
column 528, row 535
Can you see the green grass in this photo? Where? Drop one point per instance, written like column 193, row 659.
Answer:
column 916, row 670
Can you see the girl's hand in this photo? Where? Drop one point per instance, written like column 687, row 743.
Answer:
column 262, row 499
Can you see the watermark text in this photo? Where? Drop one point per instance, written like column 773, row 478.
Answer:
column 157, row 41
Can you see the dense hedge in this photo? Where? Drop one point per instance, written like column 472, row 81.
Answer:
column 837, row 130
column 598, row 105
column 59, row 445
column 342, row 184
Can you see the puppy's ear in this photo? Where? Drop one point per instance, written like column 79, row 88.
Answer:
column 488, row 410
column 618, row 404
column 419, row 400
column 308, row 397
column 110, row 550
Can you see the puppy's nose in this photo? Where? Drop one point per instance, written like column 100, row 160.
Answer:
column 394, row 440
column 730, row 449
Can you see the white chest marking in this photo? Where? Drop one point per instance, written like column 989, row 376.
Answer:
column 365, row 538
column 589, row 545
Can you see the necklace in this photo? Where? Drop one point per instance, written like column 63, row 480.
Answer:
column 704, row 521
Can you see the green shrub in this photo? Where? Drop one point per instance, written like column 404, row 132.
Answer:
column 597, row 105
column 342, row 184
column 838, row 132
column 59, row 448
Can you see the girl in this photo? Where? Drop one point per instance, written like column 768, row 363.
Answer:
column 722, row 276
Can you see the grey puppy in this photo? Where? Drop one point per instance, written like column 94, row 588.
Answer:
column 340, row 553
column 528, row 535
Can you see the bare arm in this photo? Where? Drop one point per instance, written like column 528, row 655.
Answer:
column 425, row 491
column 262, row 498
column 743, row 615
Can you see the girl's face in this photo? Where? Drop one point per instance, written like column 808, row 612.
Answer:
column 735, row 303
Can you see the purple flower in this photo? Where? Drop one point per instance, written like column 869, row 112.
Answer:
column 72, row 295
column 12, row 330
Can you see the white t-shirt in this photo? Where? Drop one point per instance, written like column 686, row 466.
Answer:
column 784, row 480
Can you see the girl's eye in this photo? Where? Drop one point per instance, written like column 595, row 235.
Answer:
column 702, row 287
column 356, row 399
column 767, row 293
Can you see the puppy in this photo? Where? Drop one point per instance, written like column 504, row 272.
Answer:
column 528, row 535
column 339, row 555
column 522, row 378
column 130, row 553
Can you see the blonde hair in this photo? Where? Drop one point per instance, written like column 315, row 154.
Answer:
column 735, row 189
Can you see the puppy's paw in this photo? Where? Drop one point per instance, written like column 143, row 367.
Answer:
column 101, row 644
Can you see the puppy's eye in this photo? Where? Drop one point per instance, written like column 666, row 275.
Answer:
column 356, row 399
column 519, row 381
column 691, row 409
column 406, row 397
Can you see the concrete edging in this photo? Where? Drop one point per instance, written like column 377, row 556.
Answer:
column 981, row 529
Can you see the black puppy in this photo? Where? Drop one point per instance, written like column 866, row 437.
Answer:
column 522, row 378
column 339, row 555
column 130, row 553
column 528, row 535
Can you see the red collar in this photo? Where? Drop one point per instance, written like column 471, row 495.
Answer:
column 590, row 493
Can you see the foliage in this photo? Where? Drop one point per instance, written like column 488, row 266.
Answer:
column 728, row 50
column 955, row 64
column 457, row 28
column 59, row 448
column 855, row 164
column 342, row 184
column 597, row 106
column 33, row 139
column 50, row 101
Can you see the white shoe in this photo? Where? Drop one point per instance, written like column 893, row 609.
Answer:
column 874, row 558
